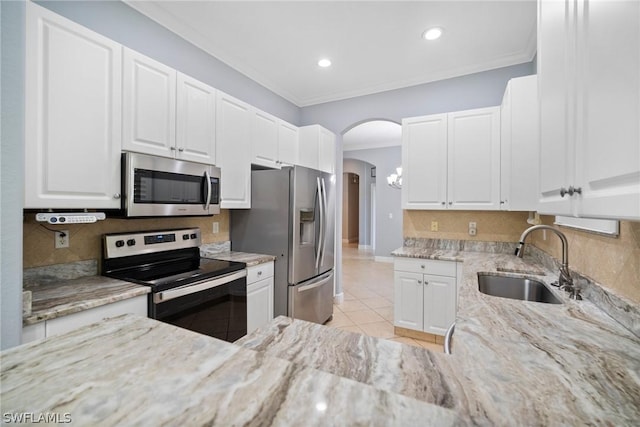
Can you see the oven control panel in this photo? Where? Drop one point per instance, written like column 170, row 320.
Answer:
column 127, row 244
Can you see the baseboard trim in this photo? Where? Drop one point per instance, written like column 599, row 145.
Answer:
column 364, row 247
column 419, row 335
column 338, row 298
column 384, row 259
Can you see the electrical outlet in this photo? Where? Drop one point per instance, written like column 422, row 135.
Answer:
column 215, row 228
column 434, row 225
column 472, row 229
column 61, row 239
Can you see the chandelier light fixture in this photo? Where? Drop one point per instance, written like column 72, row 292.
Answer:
column 395, row 179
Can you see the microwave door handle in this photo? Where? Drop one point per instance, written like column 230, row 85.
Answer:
column 319, row 239
column 208, row 198
column 323, row 224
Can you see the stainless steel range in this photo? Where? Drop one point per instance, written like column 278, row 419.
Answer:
column 204, row 295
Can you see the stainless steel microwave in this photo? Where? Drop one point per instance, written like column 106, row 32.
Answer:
column 158, row 186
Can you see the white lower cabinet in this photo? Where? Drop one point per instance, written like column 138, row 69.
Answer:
column 259, row 296
column 425, row 294
column 64, row 324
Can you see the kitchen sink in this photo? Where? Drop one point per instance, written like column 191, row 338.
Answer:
column 515, row 288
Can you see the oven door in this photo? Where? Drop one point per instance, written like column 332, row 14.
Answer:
column 215, row 307
column 156, row 186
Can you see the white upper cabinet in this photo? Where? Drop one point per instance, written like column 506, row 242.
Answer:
column 287, row 143
column 424, row 162
column 264, row 140
column 452, row 161
column 588, row 66
column 165, row 112
column 73, row 102
column 519, row 147
column 317, row 149
column 274, row 142
column 195, row 126
column 474, row 159
column 233, row 151
column 149, row 105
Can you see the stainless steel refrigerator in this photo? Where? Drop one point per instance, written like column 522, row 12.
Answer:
column 292, row 217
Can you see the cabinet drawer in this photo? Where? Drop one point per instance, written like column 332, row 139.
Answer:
column 259, row 272
column 428, row 266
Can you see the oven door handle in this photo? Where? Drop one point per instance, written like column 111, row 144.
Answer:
column 197, row 287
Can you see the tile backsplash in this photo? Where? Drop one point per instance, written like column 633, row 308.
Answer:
column 85, row 239
column 613, row 262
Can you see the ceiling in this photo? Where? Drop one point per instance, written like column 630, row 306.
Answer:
column 374, row 45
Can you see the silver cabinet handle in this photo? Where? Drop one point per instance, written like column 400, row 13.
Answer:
column 573, row 190
column 116, row 196
column 419, row 282
column 570, row 191
column 426, row 283
column 422, row 266
column 450, row 203
column 447, row 338
column 172, row 148
column 181, row 149
column 443, row 203
column 259, row 273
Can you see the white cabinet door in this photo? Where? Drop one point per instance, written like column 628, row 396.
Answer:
column 195, row 122
column 233, row 151
column 259, row 304
column 317, row 148
column 309, row 147
column 149, row 105
column 439, row 303
column 556, row 59
column 424, row 162
column 73, row 102
column 408, row 300
column 264, row 140
column 589, row 108
column 474, row 159
column 608, row 106
column 327, row 151
column 519, row 146
column 287, row 143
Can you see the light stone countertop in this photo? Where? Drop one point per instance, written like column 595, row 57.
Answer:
column 63, row 297
column 248, row 258
column 513, row 362
column 131, row 370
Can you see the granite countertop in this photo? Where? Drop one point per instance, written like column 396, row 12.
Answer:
column 63, row 297
column 513, row 361
column 95, row 376
column 246, row 257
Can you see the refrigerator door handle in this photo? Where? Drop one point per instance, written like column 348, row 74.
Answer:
column 323, row 224
column 319, row 241
column 318, row 282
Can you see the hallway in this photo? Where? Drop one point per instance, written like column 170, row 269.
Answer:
column 368, row 298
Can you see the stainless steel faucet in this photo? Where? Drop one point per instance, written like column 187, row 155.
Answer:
column 565, row 281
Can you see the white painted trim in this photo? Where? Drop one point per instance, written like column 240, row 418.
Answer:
column 369, row 145
column 364, row 247
column 339, row 298
column 384, row 259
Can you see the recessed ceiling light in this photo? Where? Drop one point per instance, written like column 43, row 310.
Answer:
column 324, row 63
column 432, row 33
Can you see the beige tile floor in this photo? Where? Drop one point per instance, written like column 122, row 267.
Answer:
column 368, row 298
